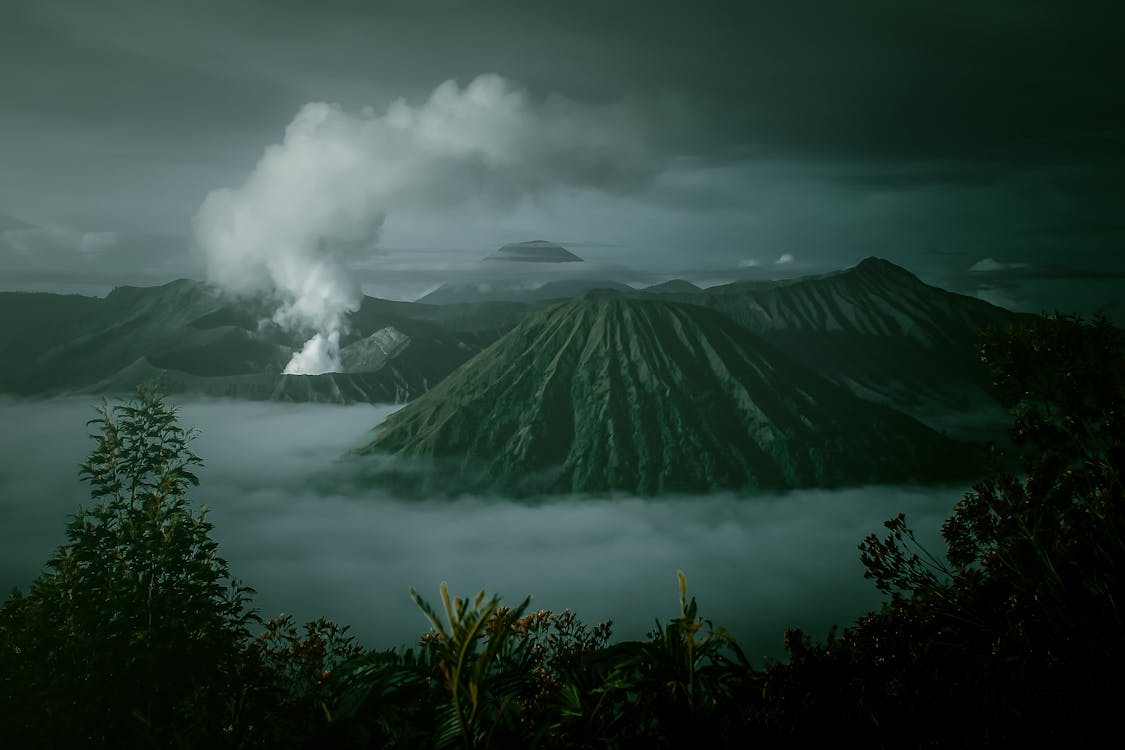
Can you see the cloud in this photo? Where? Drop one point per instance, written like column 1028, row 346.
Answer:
column 319, row 199
column 757, row 564
column 62, row 251
column 98, row 242
column 47, row 244
column 988, row 265
column 785, row 258
column 1001, row 298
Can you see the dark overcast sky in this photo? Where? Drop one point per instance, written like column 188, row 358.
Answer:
column 935, row 134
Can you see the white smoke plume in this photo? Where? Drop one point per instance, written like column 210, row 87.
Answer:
column 319, row 198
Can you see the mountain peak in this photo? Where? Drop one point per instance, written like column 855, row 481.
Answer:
column 675, row 286
column 617, row 393
column 881, row 267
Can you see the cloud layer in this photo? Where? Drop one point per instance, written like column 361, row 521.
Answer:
column 320, row 197
column 756, row 564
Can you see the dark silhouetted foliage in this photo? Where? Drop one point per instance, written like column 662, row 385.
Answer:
column 136, row 635
column 1019, row 637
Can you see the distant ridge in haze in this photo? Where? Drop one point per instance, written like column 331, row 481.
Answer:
column 874, row 329
column 535, row 251
column 675, row 286
column 609, row 393
column 189, row 338
column 449, row 294
column 879, row 331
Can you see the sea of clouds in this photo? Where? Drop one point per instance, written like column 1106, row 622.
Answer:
column 756, row 564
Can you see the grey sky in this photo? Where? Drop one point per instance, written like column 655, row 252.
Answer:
column 936, row 134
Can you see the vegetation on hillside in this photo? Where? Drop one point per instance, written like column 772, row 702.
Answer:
column 136, row 634
column 644, row 396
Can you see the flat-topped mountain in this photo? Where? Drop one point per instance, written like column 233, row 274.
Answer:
column 610, row 393
column 535, row 251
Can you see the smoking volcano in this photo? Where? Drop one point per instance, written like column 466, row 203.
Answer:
column 316, row 202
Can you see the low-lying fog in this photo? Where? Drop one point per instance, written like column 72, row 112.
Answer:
column 756, row 564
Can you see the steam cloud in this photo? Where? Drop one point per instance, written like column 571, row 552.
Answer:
column 320, row 197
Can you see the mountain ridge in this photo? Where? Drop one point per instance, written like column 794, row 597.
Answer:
column 191, row 337
column 875, row 329
column 879, row 331
column 612, row 393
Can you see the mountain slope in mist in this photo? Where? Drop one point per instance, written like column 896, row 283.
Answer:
column 874, row 329
column 514, row 289
column 189, row 338
column 877, row 330
column 608, row 393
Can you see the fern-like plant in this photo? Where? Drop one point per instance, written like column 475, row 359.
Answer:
column 467, row 644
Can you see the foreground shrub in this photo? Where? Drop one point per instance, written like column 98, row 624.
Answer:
column 1017, row 636
column 136, row 631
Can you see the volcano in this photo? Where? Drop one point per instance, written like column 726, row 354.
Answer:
column 609, row 393
column 535, row 251
column 187, row 337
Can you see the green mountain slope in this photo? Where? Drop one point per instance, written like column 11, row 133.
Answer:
column 645, row 396
column 877, row 330
column 190, row 338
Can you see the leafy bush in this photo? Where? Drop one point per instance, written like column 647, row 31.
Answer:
column 134, row 634
column 490, row 676
column 1018, row 637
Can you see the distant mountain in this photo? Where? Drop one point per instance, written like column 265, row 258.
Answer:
column 877, row 330
column 381, row 386
column 608, row 393
column 675, row 286
column 509, row 290
column 535, row 251
column 190, row 338
column 874, row 298
column 488, row 316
